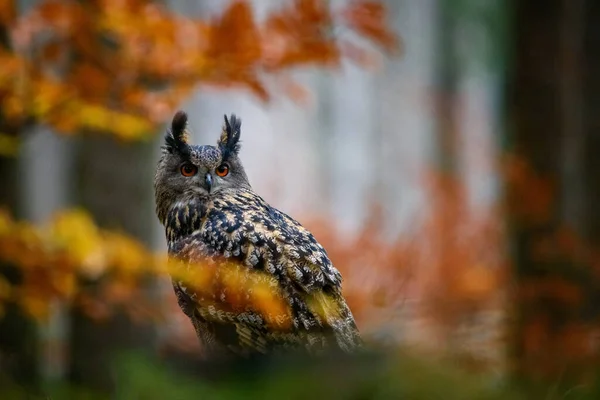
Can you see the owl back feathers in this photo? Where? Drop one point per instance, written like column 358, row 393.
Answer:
column 239, row 228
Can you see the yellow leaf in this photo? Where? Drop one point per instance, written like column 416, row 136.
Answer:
column 5, row 288
column 76, row 232
column 65, row 284
column 9, row 145
column 125, row 254
column 267, row 300
column 6, row 222
column 94, row 117
column 36, row 307
column 131, row 127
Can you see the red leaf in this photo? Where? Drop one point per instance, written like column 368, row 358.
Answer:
column 8, row 12
column 368, row 18
column 303, row 35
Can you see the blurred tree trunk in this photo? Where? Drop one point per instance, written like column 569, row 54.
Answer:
column 446, row 158
column 590, row 106
column 115, row 185
column 533, row 109
column 18, row 341
column 589, row 146
column 553, row 131
column 447, row 83
column 18, row 334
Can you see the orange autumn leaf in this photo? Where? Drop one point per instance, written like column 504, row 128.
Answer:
column 368, row 18
column 304, row 33
column 271, row 306
column 359, row 55
column 295, row 90
column 477, row 282
column 35, row 306
column 52, row 52
column 532, row 195
column 8, row 12
column 91, row 81
column 61, row 14
column 234, row 52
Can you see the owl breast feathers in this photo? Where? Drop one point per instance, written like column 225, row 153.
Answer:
column 250, row 278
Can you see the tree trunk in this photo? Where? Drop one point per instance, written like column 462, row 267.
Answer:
column 115, row 185
column 533, row 107
column 590, row 87
column 446, row 161
column 18, row 344
column 553, row 133
column 18, row 338
column 447, row 84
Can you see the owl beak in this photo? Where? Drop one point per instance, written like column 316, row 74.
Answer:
column 208, row 182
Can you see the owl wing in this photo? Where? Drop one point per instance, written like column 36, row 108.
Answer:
column 315, row 284
column 220, row 320
column 265, row 247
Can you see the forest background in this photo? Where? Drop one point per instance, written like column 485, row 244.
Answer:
column 442, row 151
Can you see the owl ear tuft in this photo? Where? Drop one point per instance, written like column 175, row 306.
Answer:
column 176, row 138
column 229, row 142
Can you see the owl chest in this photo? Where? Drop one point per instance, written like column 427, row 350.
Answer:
column 183, row 220
column 231, row 232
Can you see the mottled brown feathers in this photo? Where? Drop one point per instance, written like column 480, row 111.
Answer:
column 241, row 227
column 231, row 228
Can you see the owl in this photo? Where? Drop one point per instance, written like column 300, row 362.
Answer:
column 251, row 279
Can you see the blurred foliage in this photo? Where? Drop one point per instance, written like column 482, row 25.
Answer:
column 393, row 374
column 370, row 376
column 556, row 295
column 366, row 376
column 121, row 67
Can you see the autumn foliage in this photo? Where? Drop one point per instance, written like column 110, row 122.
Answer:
column 121, row 67
column 57, row 258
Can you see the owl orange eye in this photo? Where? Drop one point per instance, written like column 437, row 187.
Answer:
column 222, row 170
column 188, row 170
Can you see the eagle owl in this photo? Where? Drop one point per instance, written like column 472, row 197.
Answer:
column 215, row 224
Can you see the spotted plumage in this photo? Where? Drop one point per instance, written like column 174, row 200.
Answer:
column 220, row 231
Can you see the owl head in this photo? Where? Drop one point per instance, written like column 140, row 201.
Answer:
column 188, row 172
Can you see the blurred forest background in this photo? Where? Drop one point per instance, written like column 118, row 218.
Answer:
column 441, row 150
